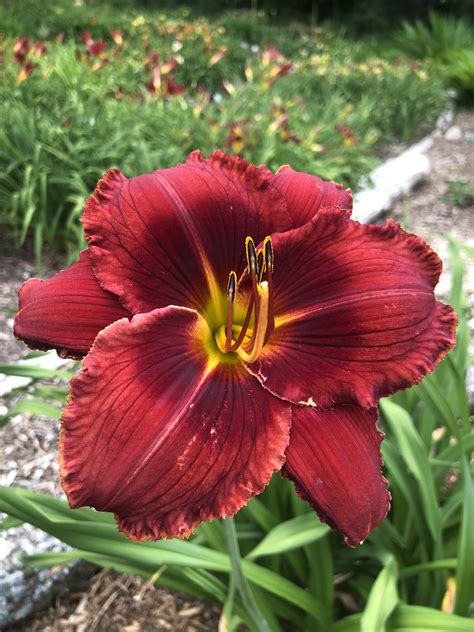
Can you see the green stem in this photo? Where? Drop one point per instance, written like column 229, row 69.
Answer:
column 239, row 577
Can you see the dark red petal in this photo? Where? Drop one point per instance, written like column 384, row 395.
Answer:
column 334, row 460
column 157, row 434
column 356, row 314
column 305, row 194
column 67, row 311
column 173, row 236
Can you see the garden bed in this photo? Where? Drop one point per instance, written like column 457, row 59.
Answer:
column 85, row 90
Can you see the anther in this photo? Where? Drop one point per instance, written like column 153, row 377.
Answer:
column 231, row 286
column 268, row 248
column 269, row 261
column 251, row 255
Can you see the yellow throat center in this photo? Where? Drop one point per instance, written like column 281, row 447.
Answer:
column 248, row 339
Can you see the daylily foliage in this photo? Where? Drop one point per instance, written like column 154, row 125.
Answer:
column 234, row 322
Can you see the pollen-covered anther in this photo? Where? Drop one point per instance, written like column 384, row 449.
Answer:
column 251, row 253
column 268, row 250
column 269, row 263
column 231, row 286
column 249, row 342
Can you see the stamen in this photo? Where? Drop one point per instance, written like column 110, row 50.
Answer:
column 251, row 255
column 245, row 326
column 256, row 301
column 268, row 248
column 252, row 261
column 269, row 262
column 260, row 305
column 231, row 286
column 259, row 331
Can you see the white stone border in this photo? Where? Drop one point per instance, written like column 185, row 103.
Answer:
column 397, row 176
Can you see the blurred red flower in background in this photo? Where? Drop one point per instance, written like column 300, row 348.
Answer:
column 164, row 87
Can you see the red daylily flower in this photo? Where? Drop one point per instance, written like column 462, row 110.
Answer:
column 26, row 70
column 239, row 136
column 20, row 49
column 94, row 48
column 347, row 133
column 152, row 60
column 172, row 88
column 272, row 54
column 164, row 87
column 117, row 36
column 281, row 125
column 39, row 49
column 86, row 37
column 98, row 65
column 218, row 55
column 202, row 97
column 272, row 64
column 234, row 322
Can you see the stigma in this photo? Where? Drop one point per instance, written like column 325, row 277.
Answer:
column 248, row 339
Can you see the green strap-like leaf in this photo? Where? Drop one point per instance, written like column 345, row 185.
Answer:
column 84, row 530
column 36, row 372
column 411, row 619
column 290, row 535
column 414, row 454
column 383, row 598
column 465, row 568
column 240, row 580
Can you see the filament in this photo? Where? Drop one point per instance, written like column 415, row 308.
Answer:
column 260, row 305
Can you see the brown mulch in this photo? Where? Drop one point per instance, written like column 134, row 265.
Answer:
column 113, row 602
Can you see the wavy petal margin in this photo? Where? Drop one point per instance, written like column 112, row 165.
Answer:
column 334, row 460
column 306, row 195
column 171, row 237
column 67, row 311
column 356, row 314
column 161, row 437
